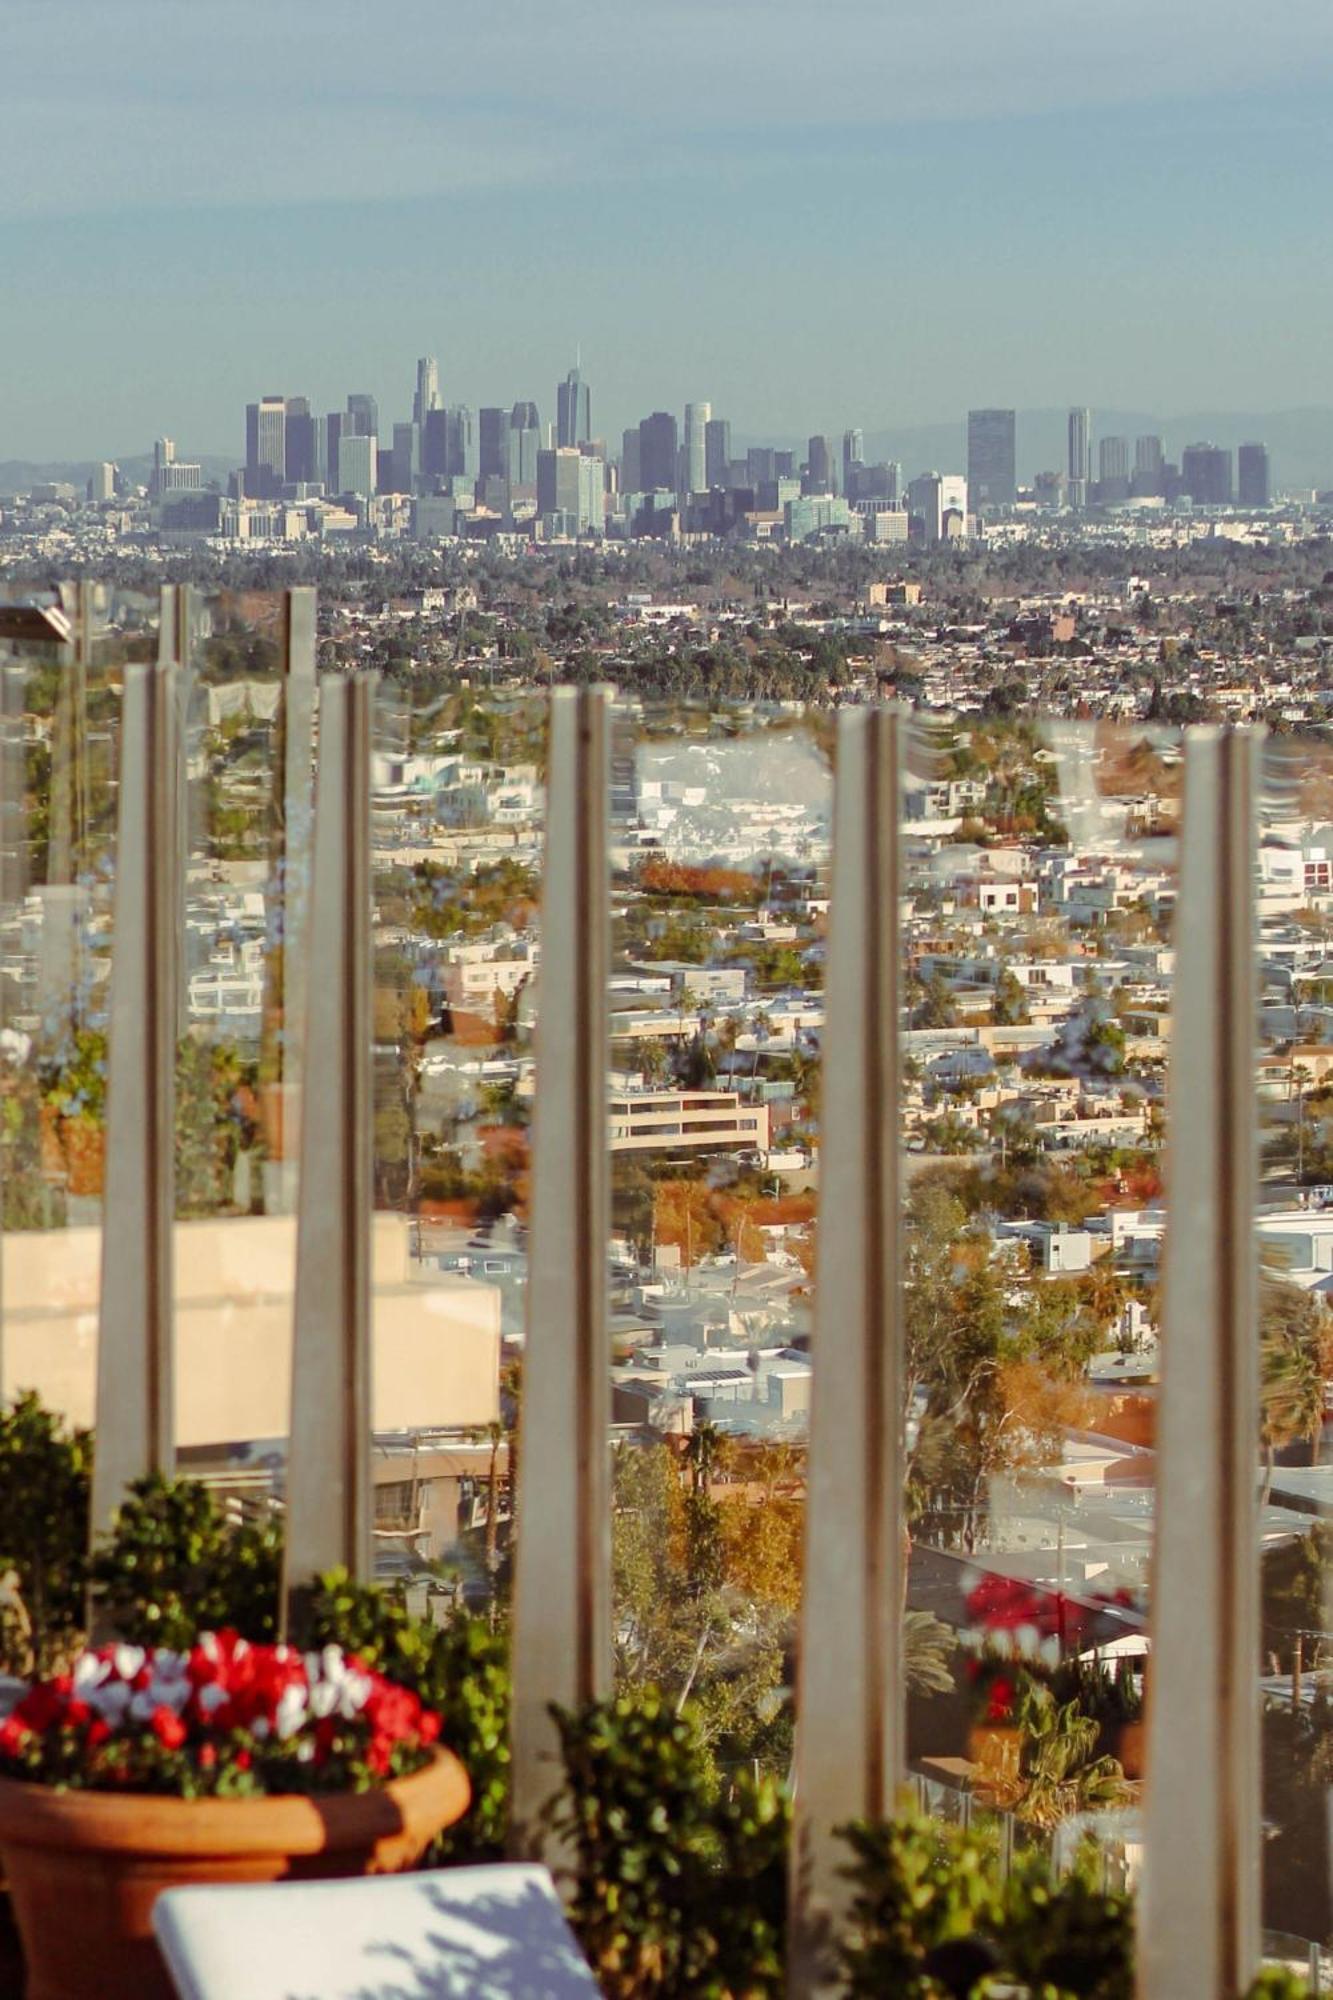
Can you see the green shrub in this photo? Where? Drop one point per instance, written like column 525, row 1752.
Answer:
column 45, row 1475
column 933, row 1914
column 461, row 1668
column 174, row 1566
column 679, row 1881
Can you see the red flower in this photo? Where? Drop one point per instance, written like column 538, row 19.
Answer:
column 13, row 1735
column 208, row 1756
column 99, row 1729
column 168, row 1728
column 242, row 1760
column 40, row 1707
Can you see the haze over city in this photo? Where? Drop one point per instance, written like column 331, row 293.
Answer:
column 881, row 222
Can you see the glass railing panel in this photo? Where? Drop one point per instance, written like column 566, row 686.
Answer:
column 1294, row 1084
column 458, row 805
column 1039, row 867
column 720, row 844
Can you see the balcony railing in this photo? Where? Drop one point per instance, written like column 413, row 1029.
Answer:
column 1200, row 1915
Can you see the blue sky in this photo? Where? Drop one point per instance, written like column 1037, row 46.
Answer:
column 846, row 211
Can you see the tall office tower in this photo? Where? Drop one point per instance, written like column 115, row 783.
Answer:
column 657, row 452
column 358, row 463
column 492, row 443
column 631, row 464
column 524, row 443
column 427, row 397
column 1080, row 457
column 694, row 464
column 461, row 445
column 1205, row 474
column 164, row 454
column 1149, row 467
column 991, row 464
column 405, row 473
column 760, row 464
column 717, row 451
column 300, row 454
column 327, row 447
column 570, row 487
column 819, row 464
column 1253, row 477
column 937, row 507
column 265, row 445
column 573, row 401
column 893, row 481
column 102, row 484
column 853, row 453
column 363, row 417
column 435, row 446
column 1113, row 459
column 1113, row 470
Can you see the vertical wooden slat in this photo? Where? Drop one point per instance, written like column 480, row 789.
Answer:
column 329, row 1465
column 850, row 1713
column 298, row 736
column 135, row 1397
column 1199, row 1920
column 563, row 1580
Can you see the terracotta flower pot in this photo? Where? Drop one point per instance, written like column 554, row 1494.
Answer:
column 85, row 1155
column 1130, row 1749
column 85, row 1868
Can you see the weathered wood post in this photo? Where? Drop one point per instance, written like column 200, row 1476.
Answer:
column 1199, row 1925
column 135, row 1414
column 329, row 1452
column 562, row 1610
column 850, row 1711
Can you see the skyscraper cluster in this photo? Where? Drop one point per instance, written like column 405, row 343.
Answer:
column 454, row 469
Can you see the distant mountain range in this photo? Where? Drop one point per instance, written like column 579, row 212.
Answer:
column 1300, row 443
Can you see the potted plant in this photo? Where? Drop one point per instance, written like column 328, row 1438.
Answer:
column 230, row 1762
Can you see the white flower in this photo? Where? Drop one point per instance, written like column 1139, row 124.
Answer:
column 259, row 1729
column 89, row 1672
column 1027, row 1642
column 127, row 1661
column 354, row 1695
column 323, row 1699
column 212, row 1697
column 290, row 1714
column 110, row 1699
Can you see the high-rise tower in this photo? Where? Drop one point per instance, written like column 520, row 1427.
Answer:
column 427, row 395
column 573, row 400
column 991, row 466
column 1080, row 456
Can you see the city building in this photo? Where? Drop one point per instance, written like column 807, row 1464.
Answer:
column 299, row 453
column 717, row 452
column 991, row 475
column 435, row 445
column 1080, row 458
column 573, row 411
column 102, row 484
column 363, row 416
column 427, row 397
column 171, row 474
column 570, row 491
column 853, row 458
column 358, row 463
column 1253, row 477
column 657, row 453
column 1113, row 470
column 460, row 449
column 686, row 1121
column 694, row 449
column 1149, row 467
column 818, row 465
column 492, row 443
column 524, row 443
column 937, row 506
column 1205, row 474
column 265, row 445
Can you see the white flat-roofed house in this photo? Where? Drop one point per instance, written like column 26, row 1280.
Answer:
column 686, row 1120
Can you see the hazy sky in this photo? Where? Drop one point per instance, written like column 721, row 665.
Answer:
column 815, row 212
